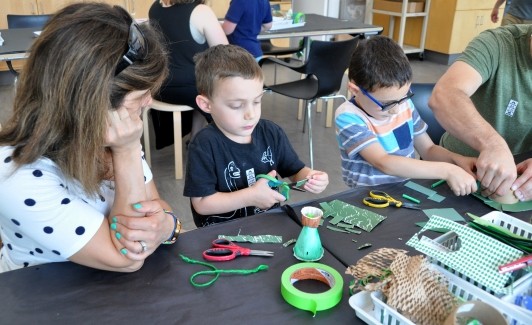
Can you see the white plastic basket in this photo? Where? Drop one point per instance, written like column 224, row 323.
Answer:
column 523, row 281
column 373, row 310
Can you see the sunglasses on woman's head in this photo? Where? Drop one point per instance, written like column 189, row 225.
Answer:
column 390, row 105
column 137, row 48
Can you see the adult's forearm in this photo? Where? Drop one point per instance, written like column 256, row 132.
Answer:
column 129, row 182
column 457, row 114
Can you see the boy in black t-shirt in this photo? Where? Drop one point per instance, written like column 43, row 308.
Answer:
column 226, row 156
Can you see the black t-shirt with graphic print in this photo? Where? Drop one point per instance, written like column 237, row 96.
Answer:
column 218, row 164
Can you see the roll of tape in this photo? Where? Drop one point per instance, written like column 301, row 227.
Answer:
column 312, row 302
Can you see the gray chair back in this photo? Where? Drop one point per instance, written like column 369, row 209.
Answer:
column 422, row 93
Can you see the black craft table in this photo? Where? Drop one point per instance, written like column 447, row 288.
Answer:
column 160, row 293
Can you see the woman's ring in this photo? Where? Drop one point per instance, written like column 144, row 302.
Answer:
column 144, row 246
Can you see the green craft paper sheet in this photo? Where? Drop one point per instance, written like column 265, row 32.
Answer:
column 361, row 218
column 447, row 213
column 253, row 239
column 478, row 257
column 516, row 207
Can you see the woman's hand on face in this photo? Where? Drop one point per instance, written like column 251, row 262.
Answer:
column 151, row 230
column 124, row 130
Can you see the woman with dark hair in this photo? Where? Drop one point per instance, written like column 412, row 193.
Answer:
column 73, row 182
column 189, row 27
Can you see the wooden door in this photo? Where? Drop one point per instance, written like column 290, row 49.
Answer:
column 51, row 6
column 17, row 7
column 121, row 3
column 139, row 8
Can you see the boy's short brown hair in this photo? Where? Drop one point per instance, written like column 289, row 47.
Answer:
column 379, row 62
column 223, row 61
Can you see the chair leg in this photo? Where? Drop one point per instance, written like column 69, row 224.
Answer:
column 319, row 105
column 309, row 120
column 146, row 135
column 305, row 121
column 329, row 117
column 178, row 146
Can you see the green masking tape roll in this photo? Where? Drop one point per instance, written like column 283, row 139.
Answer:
column 312, row 301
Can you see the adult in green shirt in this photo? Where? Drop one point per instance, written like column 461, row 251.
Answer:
column 484, row 101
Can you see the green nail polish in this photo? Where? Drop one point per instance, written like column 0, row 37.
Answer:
column 118, row 235
column 137, row 205
column 123, row 251
column 113, row 226
column 115, row 220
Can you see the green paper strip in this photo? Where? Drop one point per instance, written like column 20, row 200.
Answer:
column 431, row 194
column 420, row 188
column 253, row 239
column 366, row 245
column 447, row 213
column 337, row 229
column 353, row 231
column 290, row 242
column 345, row 225
column 312, row 302
column 436, row 197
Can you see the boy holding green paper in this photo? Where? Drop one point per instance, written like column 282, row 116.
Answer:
column 379, row 129
column 226, row 157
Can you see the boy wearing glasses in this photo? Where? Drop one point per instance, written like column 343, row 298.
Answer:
column 379, row 130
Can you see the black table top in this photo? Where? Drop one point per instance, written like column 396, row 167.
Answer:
column 17, row 41
column 161, row 293
column 316, row 25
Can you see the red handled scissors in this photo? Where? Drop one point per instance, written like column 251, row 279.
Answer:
column 225, row 250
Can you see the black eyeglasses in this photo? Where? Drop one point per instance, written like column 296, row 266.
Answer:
column 137, row 48
column 390, row 105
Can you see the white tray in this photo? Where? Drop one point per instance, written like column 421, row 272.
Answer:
column 524, row 280
column 372, row 310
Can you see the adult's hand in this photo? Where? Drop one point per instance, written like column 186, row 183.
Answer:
column 123, row 131
column 496, row 170
column 152, row 229
column 522, row 187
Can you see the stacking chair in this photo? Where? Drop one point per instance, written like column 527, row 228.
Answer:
column 178, row 146
column 25, row 21
column 422, row 92
column 323, row 72
column 269, row 49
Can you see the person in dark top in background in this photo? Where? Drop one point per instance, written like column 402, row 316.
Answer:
column 189, row 27
column 244, row 20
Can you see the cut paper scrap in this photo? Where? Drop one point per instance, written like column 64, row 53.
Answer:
column 447, row 213
column 440, row 230
column 431, row 194
column 253, row 239
column 347, row 213
column 467, row 251
column 516, row 207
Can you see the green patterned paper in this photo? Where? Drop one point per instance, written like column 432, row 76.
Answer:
column 347, row 213
column 477, row 257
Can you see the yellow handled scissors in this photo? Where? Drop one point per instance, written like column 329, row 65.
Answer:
column 380, row 199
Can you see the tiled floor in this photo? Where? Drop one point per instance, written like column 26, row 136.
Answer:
column 279, row 109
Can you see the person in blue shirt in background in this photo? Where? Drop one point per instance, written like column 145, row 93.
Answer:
column 245, row 19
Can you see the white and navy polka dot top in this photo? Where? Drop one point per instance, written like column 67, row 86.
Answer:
column 43, row 217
